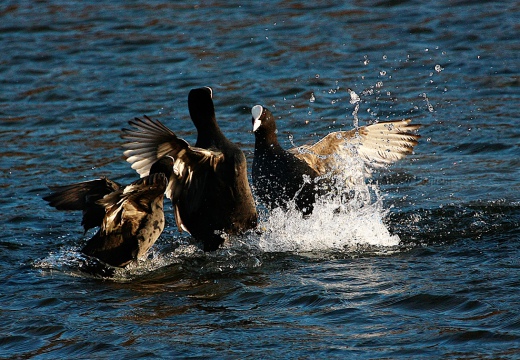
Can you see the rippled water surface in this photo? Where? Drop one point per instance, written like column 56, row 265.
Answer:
column 422, row 263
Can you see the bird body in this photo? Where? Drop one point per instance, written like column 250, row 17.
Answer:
column 280, row 177
column 209, row 188
column 130, row 218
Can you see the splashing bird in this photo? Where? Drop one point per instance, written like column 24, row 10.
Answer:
column 303, row 173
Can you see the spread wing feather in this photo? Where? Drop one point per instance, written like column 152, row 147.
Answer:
column 83, row 196
column 377, row 145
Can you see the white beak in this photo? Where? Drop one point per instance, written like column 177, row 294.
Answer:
column 256, row 124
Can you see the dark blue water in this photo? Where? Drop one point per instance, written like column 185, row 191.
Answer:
column 427, row 267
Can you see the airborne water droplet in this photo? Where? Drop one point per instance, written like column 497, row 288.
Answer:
column 354, row 98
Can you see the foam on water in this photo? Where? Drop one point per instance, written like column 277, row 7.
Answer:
column 335, row 224
column 191, row 259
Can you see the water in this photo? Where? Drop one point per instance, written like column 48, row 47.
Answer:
column 424, row 266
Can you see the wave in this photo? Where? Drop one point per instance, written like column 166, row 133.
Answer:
column 453, row 222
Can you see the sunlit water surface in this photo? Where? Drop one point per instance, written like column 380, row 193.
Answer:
column 420, row 262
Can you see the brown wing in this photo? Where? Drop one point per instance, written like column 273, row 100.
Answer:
column 377, row 145
column 83, row 196
column 149, row 141
column 132, row 203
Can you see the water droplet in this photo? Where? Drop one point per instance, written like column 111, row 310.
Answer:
column 317, row 76
column 438, row 68
column 382, row 73
column 312, row 98
column 354, row 98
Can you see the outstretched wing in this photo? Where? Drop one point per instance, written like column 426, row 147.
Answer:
column 377, row 145
column 150, row 140
column 83, row 196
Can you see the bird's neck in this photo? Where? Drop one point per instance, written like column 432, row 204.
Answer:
column 209, row 135
column 267, row 142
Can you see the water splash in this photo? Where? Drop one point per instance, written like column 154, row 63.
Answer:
column 182, row 258
column 348, row 218
column 334, row 225
column 71, row 261
column 354, row 100
column 428, row 104
column 350, row 215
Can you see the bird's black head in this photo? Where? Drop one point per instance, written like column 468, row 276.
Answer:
column 263, row 121
column 200, row 104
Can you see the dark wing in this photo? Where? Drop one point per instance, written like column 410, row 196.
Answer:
column 377, row 145
column 150, row 140
column 83, row 196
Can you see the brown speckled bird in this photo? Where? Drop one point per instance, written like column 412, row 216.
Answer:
column 130, row 218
